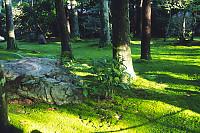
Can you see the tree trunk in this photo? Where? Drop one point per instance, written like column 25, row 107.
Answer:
column 132, row 17
column 105, row 28
column 11, row 43
column 4, row 123
column 184, row 15
column 138, row 24
column 64, row 35
column 67, row 16
column 146, row 30
column 182, row 38
column 121, row 35
column 168, row 25
column 193, row 25
column 74, row 27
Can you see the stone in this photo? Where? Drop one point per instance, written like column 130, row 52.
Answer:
column 42, row 80
column 2, row 39
column 41, row 39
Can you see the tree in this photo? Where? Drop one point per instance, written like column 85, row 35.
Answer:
column 121, row 35
column 146, row 30
column 138, row 24
column 4, row 123
column 64, row 34
column 183, row 19
column 73, row 18
column 105, row 28
column 11, row 43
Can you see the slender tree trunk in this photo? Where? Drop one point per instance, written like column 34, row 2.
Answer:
column 121, row 35
column 138, row 27
column 193, row 25
column 183, row 32
column 146, row 30
column 4, row 123
column 67, row 16
column 64, row 35
column 105, row 28
column 132, row 17
column 168, row 25
column 0, row 5
column 74, row 27
column 11, row 43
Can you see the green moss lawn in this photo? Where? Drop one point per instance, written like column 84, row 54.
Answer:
column 165, row 98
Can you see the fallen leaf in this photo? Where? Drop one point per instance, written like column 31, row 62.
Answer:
column 136, row 112
column 117, row 117
column 50, row 109
column 21, row 122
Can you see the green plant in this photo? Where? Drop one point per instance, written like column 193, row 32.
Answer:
column 108, row 73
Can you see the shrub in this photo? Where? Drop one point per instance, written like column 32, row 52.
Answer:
column 108, row 73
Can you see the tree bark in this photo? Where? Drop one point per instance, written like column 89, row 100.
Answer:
column 105, row 28
column 138, row 24
column 168, row 25
column 4, row 123
column 73, row 18
column 132, row 17
column 11, row 43
column 146, row 30
column 182, row 37
column 193, row 25
column 64, row 35
column 67, row 16
column 121, row 35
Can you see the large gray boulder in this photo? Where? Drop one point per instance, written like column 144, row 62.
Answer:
column 42, row 80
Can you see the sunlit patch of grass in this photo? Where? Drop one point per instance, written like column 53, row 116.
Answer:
column 164, row 98
column 135, row 42
column 50, row 122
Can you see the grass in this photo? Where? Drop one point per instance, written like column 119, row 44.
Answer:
column 165, row 96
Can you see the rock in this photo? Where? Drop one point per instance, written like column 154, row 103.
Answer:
column 42, row 80
column 2, row 39
column 41, row 39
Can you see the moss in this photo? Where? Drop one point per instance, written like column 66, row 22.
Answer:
column 164, row 98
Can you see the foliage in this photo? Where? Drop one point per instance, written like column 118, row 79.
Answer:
column 89, row 19
column 3, row 24
column 177, row 10
column 108, row 73
column 159, row 15
column 32, row 21
column 176, row 25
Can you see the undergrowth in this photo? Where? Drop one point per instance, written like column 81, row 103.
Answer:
column 164, row 98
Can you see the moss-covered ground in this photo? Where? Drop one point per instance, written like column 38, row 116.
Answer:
column 165, row 97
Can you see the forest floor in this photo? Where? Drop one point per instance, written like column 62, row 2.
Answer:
column 165, row 97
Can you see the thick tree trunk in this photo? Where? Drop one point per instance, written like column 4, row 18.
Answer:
column 74, row 27
column 4, row 123
column 146, row 30
column 105, row 28
column 11, row 43
column 121, row 34
column 64, row 35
